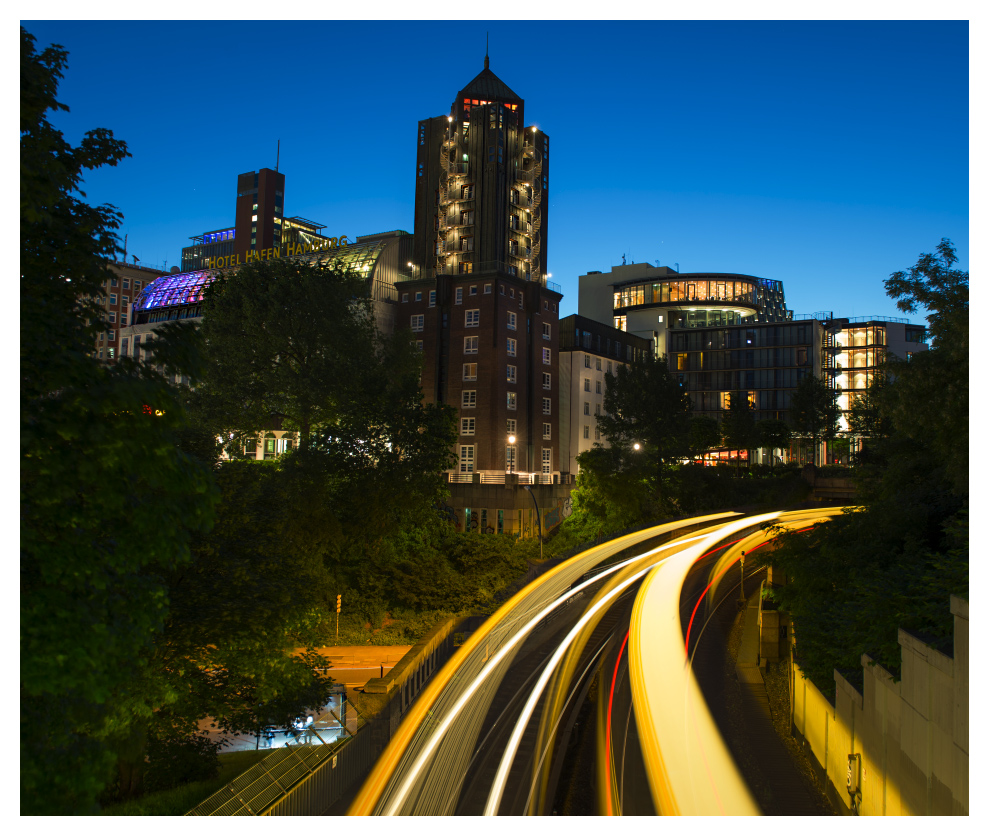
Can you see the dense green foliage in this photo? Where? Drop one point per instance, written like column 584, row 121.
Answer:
column 773, row 435
column 857, row 579
column 287, row 343
column 644, row 404
column 108, row 502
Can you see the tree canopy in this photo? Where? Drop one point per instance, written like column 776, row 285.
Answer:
column 645, row 404
column 108, row 501
column 854, row 581
column 287, row 343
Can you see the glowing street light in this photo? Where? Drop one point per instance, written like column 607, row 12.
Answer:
column 511, row 454
column 636, row 446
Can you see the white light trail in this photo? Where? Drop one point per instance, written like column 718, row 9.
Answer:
column 501, row 777
column 398, row 798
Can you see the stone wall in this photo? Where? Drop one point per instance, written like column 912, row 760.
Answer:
column 908, row 739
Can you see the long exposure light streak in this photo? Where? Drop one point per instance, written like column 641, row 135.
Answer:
column 607, row 737
column 380, row 783
column 689, row 768
column 507, row 758
column 412, row 774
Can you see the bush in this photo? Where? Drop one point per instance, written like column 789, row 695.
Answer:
column 180, row 761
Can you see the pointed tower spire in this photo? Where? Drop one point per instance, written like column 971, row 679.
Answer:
column 486, row 61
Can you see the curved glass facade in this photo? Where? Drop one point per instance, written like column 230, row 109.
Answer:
column 175, row 289
column 687, row 291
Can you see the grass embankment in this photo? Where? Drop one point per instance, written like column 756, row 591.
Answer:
column 178, row 801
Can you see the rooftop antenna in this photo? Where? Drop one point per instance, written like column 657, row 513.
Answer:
column 486, row 61
column 278, row 154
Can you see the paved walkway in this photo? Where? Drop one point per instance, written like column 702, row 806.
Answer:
column 779, row 786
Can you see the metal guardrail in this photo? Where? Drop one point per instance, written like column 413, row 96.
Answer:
column 268, row 782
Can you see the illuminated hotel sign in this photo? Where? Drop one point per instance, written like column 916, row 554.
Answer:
column 275, row 252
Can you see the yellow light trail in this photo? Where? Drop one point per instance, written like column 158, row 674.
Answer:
column 382, row 776
column 690, row 770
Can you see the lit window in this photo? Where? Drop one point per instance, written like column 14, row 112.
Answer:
column 547, row 406
column 472, row 318
column 470, row 345
column 547, row 356
column 511, row 400
column 254, row 218
column 468, row 398
column 512, row 345
column 417, row 322
column 467, row 426
column 512, row 319
column 511, row 375
column 470, row 371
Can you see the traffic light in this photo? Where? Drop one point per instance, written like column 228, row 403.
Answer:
column 338, row 603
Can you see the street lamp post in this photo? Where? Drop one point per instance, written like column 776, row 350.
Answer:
column 511, row 454
column 741, row 580
column 538, row 520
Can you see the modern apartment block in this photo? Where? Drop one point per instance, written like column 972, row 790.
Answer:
column 730, row 332
column 588, row 351
column 647, row 301
column 860, row 346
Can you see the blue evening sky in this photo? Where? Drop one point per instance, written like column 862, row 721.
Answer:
column 823, row 154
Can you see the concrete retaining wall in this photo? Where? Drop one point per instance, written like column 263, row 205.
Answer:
column 911, row 736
